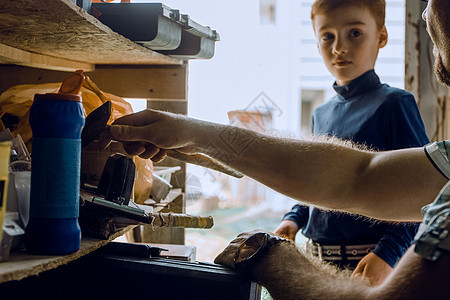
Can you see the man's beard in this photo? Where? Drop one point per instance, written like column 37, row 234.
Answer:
column 443, row 76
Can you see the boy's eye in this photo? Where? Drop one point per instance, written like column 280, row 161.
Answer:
column 355, row 33
column 327, row 36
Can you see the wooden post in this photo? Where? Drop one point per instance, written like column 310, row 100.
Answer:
column 419, row 76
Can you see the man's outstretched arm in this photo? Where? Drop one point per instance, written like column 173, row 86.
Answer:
column 289, row 274
column 390, row 185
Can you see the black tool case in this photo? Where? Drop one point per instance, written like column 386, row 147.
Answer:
column 197, row 41
column 100, row 275
column 152, row 25
column 160, row 28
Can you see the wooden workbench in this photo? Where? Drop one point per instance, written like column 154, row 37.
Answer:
column 21, row 265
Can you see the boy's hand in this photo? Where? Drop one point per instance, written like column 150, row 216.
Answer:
column 287, row 229
column 372, row 269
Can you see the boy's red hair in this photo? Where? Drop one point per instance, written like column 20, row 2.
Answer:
column 377, row 8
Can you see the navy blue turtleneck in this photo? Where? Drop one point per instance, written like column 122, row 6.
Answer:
column 382, row 118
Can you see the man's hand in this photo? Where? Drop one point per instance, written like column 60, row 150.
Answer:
column 287, row 229
column 372, row 269
column 149, row 132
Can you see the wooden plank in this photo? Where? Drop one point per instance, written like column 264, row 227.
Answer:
column 60, row 29
column 147, row 82
column 22, row 265
column 164, row 82
column 11, row 75
column 12, row 55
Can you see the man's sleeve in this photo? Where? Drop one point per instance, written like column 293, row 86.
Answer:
column 396, row 240
column 438, row 154
column 433, row 238
column 299, row 214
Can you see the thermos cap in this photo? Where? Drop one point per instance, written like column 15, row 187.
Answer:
column 58, row 96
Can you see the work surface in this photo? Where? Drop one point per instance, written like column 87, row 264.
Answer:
column 22, row 265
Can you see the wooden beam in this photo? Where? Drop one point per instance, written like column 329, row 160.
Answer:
column 10, row 55
column 146, row 82
column 11, row 75
column 157, row 83
column 60, row 29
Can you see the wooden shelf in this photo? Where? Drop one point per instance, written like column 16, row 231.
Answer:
column 58, row 35
column 22, row 265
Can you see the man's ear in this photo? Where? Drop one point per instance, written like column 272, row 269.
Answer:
column 383, row 37
column 318, row 48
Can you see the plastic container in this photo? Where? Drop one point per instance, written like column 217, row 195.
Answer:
column 160, row 28
column 197, row 41
column 149, row 24
column 56, row 121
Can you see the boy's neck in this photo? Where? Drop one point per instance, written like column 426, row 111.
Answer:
column 347, row 82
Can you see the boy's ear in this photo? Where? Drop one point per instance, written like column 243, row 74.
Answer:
column 383, row 37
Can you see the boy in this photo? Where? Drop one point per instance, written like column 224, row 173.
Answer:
column 349, row 35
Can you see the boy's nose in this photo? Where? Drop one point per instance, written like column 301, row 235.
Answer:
column 339, row 47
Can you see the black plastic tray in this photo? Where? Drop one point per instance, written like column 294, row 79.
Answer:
column 149, row 24
column 160, row 28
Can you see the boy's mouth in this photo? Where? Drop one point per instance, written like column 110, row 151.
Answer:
column 342, row 63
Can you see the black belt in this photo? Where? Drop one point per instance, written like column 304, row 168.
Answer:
column 339, row 252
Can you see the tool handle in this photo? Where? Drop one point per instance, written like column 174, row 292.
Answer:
column 181, row 220
column 203, row 161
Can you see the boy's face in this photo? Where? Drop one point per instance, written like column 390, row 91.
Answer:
column 348, row 40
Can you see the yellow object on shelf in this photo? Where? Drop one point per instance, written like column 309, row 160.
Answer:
column 5, row 148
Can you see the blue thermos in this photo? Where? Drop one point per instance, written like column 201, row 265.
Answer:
column 56, row 122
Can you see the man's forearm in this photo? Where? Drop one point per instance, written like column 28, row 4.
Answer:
column 329, row 175
column 324, row 174
column 288, row 274
column 416, row 278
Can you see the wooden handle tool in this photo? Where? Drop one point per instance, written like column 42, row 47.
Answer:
column 181, row 220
